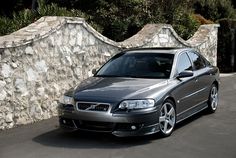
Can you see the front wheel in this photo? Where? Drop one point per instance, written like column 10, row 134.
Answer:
column 167, row 118
column 213, row 99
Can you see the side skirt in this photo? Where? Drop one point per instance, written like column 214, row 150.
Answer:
column 191, row 112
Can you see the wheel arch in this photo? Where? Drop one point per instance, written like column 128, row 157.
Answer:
column 216, row 83
column 172, row 99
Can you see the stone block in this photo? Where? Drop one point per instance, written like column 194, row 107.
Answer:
column 6, row 71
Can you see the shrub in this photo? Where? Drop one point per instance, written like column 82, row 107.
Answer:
column 121, row 19
column 186, row 26
column 26, row 16
column 5, row 26
column 201, row 19
column 215, row 9
column 23, row 18
column 19, row 20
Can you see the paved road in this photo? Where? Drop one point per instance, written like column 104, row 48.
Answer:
column 202, row 136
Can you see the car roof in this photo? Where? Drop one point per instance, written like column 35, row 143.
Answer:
column 169, row 50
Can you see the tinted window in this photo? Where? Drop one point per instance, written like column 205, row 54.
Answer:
column 140, row 65
column 183, row 63
column 198, row 61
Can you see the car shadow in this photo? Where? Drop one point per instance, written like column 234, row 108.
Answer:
column 82, row 139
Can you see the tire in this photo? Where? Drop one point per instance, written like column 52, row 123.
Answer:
column 213, row 99
column 167, row 118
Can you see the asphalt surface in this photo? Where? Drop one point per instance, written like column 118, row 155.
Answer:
column 202, row 136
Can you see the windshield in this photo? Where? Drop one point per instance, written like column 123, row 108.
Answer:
column 138, row 65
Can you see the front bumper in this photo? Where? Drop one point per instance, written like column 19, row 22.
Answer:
column 121, row 125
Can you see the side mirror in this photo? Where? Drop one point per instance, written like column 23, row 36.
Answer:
column 94, row 71
column 184, row 74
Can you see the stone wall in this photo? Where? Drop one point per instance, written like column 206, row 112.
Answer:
column 41, row 61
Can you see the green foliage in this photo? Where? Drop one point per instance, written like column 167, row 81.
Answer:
column 180, row 15
column 186, row 26
column 215, row 9
column 22, row 19
column 26, row 16
column 5, row 26
column 19, row 20
column 54, row 10
column 124, row 18
column 120, row 19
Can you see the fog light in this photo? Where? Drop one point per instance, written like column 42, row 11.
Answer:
column 133, row 127
column 153, row 129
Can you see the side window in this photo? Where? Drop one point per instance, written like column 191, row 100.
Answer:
column 183, row 63
column 198, row 61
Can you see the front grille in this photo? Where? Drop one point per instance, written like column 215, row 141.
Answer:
column 94, row 125
column 103, row 107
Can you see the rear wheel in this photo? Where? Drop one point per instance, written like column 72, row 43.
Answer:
column 213, row 99
column 167, row 118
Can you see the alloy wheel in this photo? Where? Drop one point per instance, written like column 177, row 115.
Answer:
column 214, row 98
column 167, row 118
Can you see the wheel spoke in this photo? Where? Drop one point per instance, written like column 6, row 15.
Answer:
column 161, row 118
column 171, row 123
column 213, row 91
column 165, row 109
column 171, row 111
column 216, row 96
column 212, row 96
column 212, row 103
column 165, row 126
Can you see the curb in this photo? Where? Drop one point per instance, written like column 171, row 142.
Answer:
column 227, row 74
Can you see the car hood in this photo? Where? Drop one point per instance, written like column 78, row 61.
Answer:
column 117, row 88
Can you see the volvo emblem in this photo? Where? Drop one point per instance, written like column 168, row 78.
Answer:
column 92, row 107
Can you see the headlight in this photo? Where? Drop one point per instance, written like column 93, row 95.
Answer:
column 66, row 100
column 137, row 104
